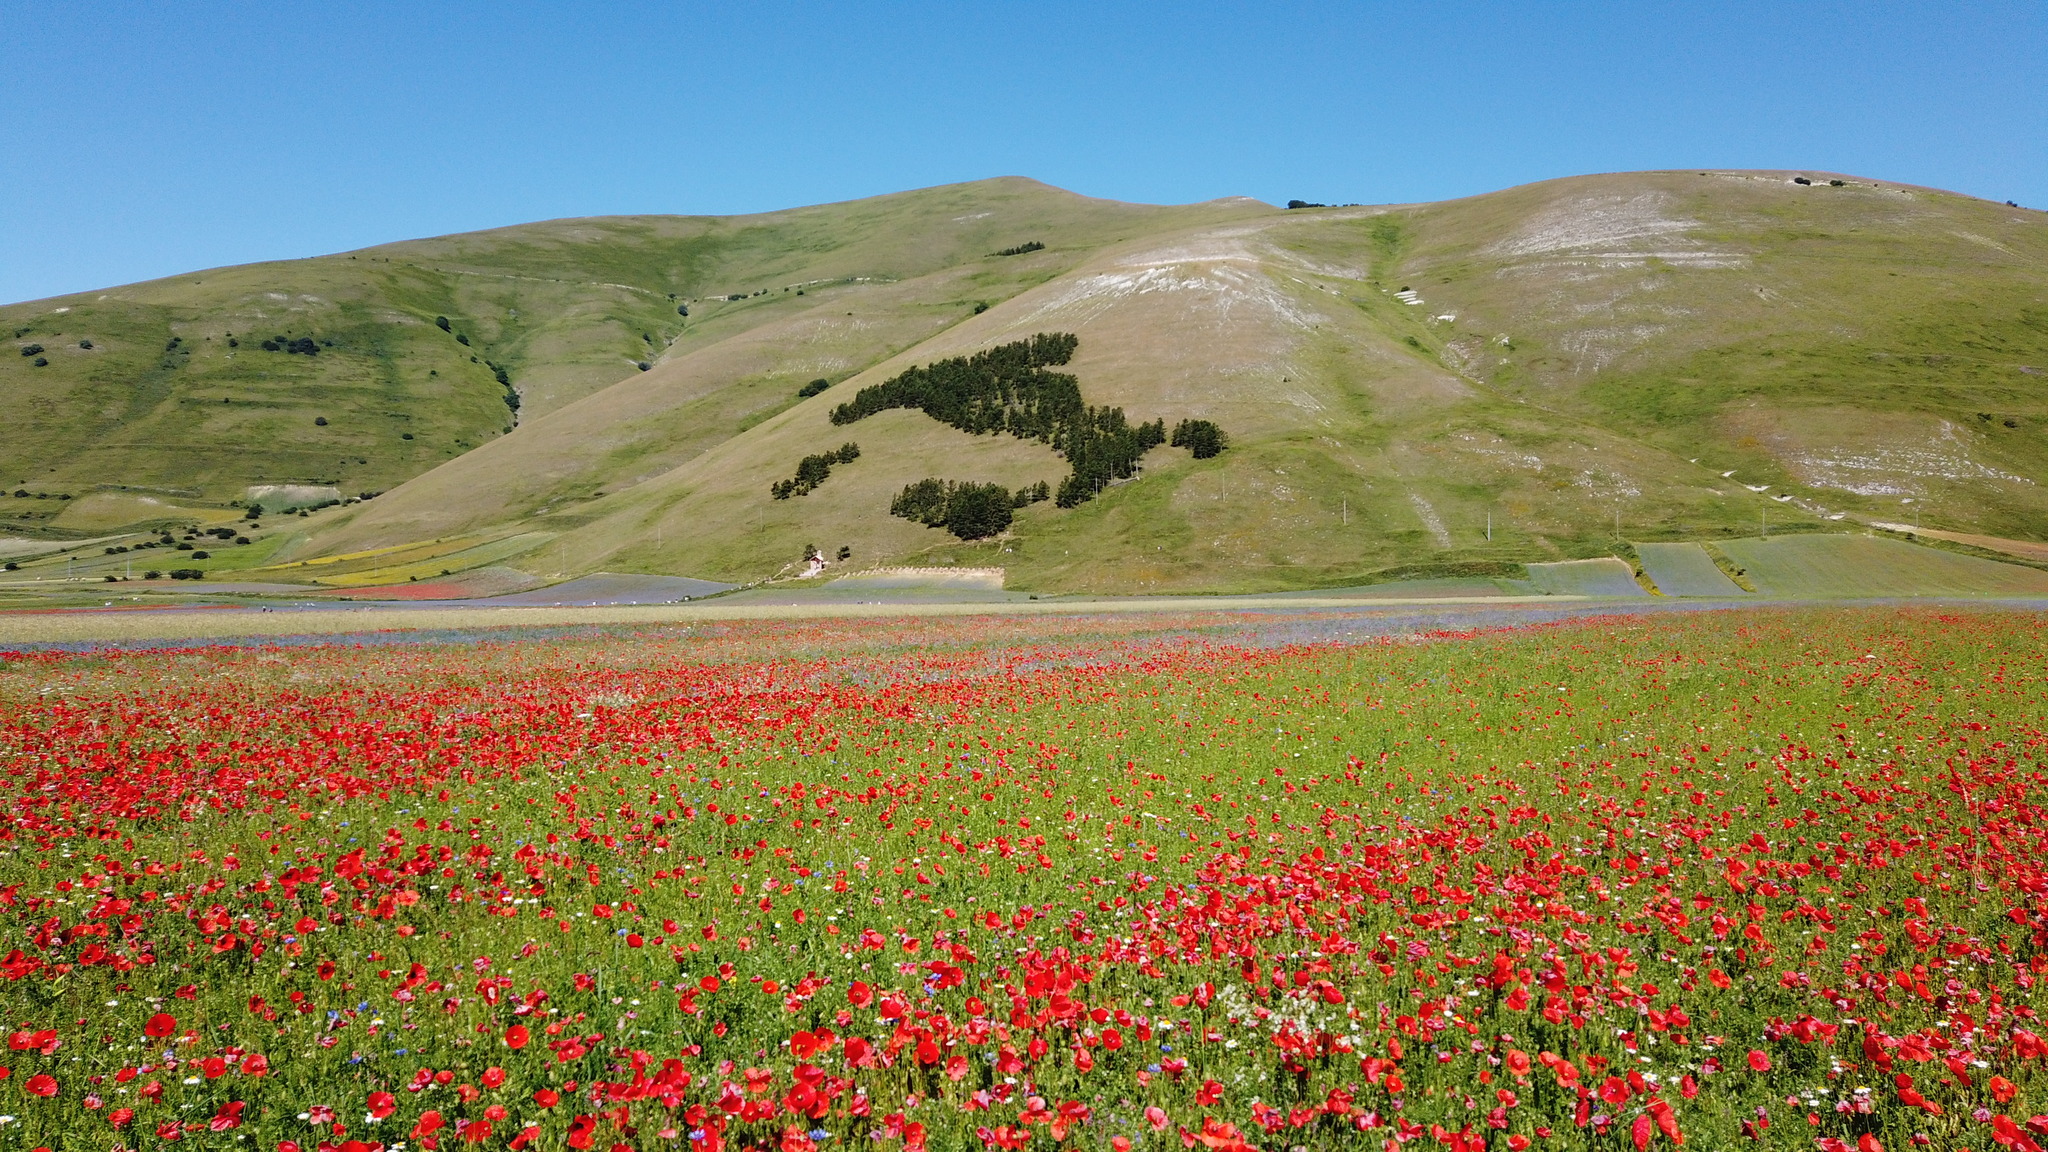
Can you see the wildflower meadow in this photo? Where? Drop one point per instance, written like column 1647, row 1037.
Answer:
column 1761, row 879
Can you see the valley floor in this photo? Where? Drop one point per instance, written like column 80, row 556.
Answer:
column 1571, row 876
column 1264, row 619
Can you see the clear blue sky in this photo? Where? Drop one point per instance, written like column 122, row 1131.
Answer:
column 145, row 139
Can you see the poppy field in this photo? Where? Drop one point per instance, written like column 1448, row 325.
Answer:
column 1761, row 879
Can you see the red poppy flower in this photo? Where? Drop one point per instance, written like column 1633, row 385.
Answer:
column 516, row 1036
column 41, row 1084
column 160, row 1025
column 228, row 1117
column 1759, row 1061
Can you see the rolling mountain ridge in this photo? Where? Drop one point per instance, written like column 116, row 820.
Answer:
column 1535, row 374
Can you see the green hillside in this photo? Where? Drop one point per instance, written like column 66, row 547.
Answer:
column 166, row 387
column 1534, row 375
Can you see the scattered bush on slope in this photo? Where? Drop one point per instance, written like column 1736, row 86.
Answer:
column 812, row 471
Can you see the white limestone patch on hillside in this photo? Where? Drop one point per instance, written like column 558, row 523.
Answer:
column 1498, row 451
column 1895, row 470
column 1606, row 486
column 286, row 497
column 1593, row 349
column 1430, row 520
column 1869, row 454
column 1611, row 229
column 1216, row 278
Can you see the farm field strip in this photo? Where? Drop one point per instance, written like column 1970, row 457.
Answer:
column 1685, row 570
column 1604, row 577
column 433, row 565
column 1764, row 878
column 1842, row 565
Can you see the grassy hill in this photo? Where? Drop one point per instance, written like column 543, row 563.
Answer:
column 166, row 388
column 1537, row 374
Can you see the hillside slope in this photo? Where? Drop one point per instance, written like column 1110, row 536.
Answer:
column 167, row 386
column 1536, row 374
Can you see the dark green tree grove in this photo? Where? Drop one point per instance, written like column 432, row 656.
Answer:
column 968, row 510
column 1011, row 389
column 1200, row 437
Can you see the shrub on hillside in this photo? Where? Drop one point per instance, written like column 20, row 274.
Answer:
column 812, row 471
column 31, row 349
column 813, row 388
column 1021, row 249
